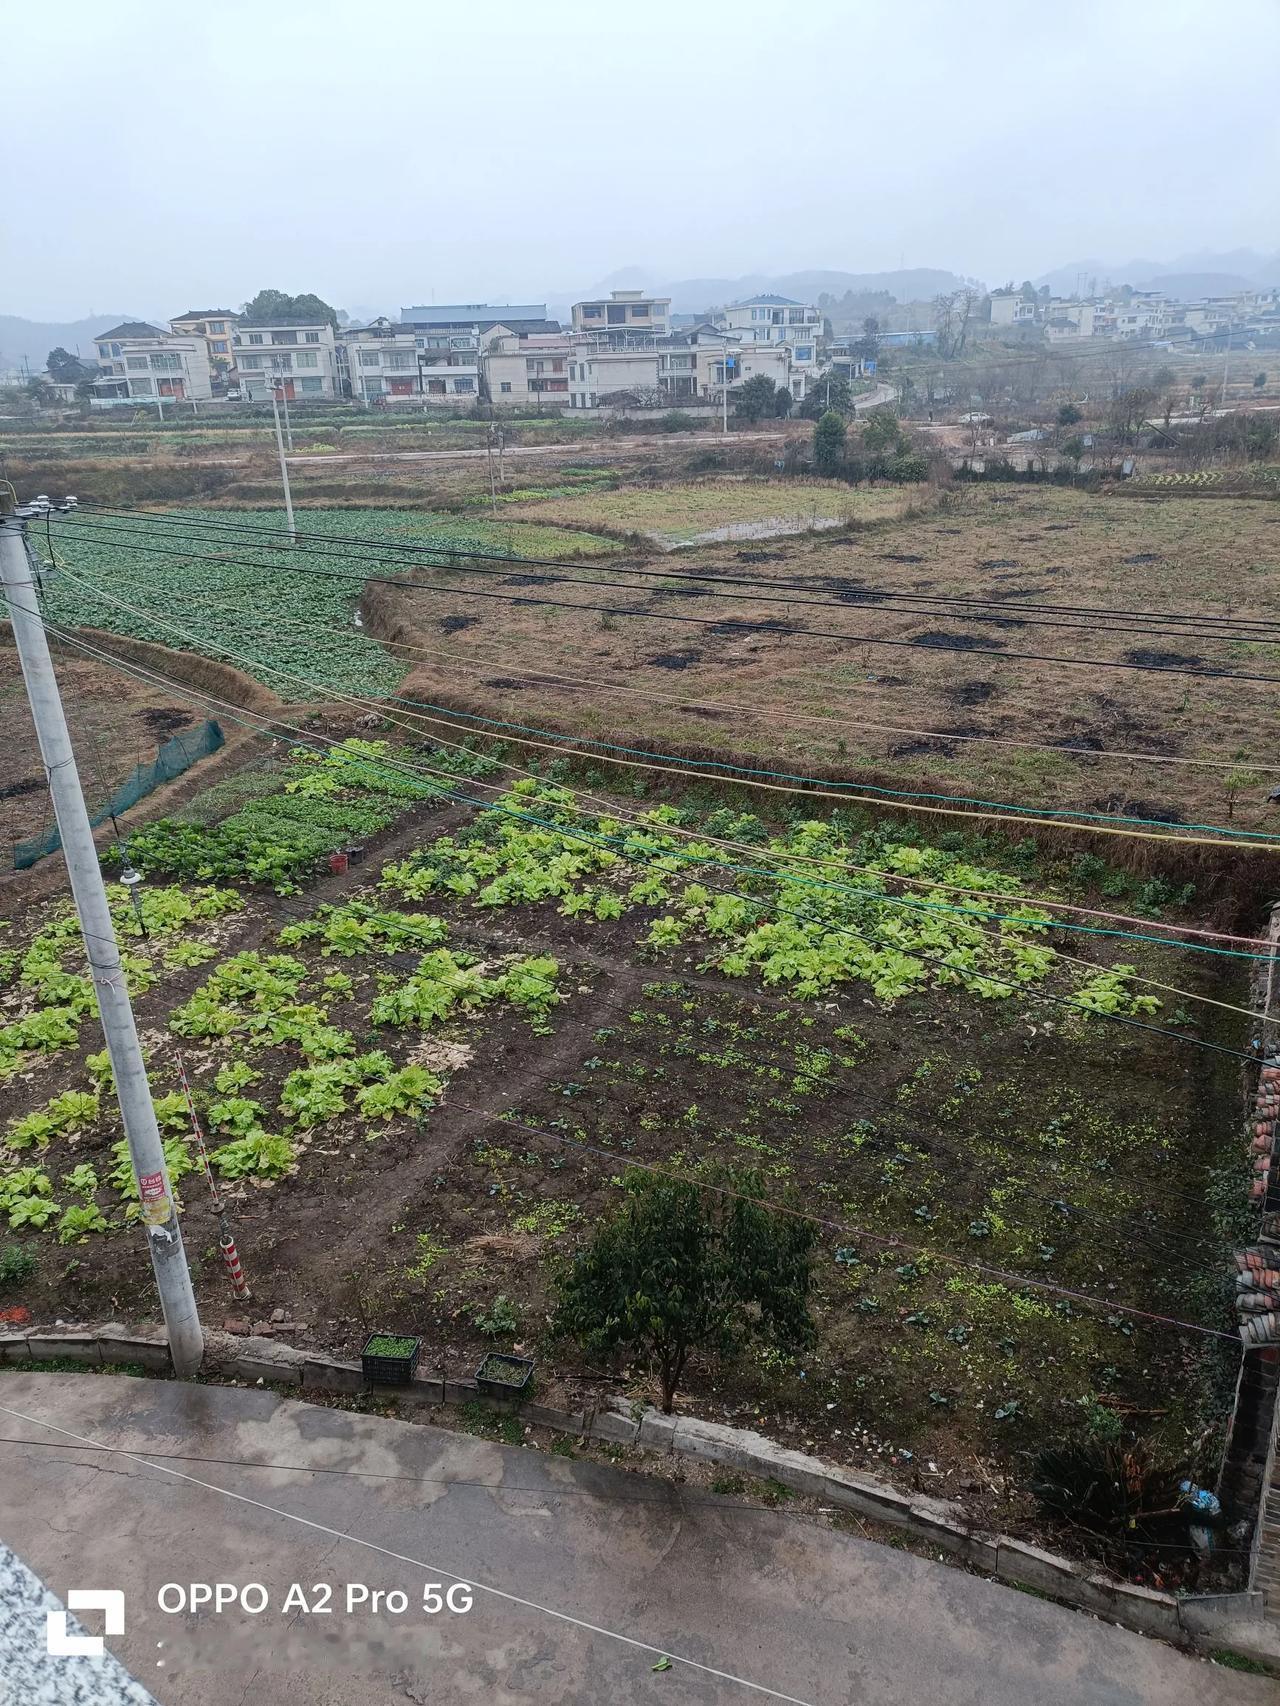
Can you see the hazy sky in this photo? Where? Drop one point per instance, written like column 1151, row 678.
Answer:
column 157, row 158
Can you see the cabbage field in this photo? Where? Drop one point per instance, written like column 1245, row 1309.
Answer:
column 237, row 597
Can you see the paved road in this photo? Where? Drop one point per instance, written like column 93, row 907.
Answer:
column 240, row 1486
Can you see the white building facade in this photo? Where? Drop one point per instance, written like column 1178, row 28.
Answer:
column 775, row 320
column 139, row 361
column 301, row 360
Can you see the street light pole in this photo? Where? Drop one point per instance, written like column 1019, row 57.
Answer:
column 284, row 467
column 137, row 1111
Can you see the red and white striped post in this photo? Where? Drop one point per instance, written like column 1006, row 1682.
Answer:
column 231, row 1256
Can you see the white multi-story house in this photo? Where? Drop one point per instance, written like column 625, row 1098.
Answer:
column 300, row 360
column 1011, row 308
column 770, row 319
column 138, row 360
column 392, row 362
column 527, row 369
column 623, row 316
column 603, row 374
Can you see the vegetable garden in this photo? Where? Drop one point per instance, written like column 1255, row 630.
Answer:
column 421, row 1086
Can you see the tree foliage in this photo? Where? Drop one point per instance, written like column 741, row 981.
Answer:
column 828, row 443
column 68, row 369
column 756, row 398
column 277, row 307
column 882, row 434
column 683, row 1268
column 830, row 392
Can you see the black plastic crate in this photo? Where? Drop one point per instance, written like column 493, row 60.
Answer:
column 507, row 1376
column 394, row 1369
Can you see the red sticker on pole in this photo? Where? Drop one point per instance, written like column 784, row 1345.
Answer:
column 150, row 1186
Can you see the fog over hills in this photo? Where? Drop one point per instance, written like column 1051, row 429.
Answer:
column 1202, row 273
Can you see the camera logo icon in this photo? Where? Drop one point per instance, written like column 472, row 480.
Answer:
column 64, row 1645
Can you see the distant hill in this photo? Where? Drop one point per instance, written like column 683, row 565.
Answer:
column 1203, row 274
column 33, row 339
column 694, row 295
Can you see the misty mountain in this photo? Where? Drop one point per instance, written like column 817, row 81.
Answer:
column 694, row 295
column 1203, row 274
column 33, row 339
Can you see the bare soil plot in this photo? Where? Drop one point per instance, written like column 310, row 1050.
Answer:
column 117, row 722
column 904, row 715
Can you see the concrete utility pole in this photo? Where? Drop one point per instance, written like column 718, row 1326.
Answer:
column 284, row 467
column 159, row 1218
column 288, row 430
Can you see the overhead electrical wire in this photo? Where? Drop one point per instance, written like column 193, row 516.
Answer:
column 1048, row 817
column 959, row 606
column 273, row 729
column 725, row 625
column 610, row 807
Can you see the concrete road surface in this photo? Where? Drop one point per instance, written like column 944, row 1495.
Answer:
column 582, row 1578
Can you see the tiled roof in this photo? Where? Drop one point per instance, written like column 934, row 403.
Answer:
column 133, row 329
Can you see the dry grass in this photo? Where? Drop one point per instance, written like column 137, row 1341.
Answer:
column 813, row 701
column 682, row 512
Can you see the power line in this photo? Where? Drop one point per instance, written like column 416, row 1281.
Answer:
column 1002, row 1276
column 417, row 1563
column 801, row 858
column 724, row 625
column 273, row 730
column 1049, row 817
column 1249, row 630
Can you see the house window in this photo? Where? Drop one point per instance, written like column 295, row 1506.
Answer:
column 308, row 358
column 137, row 363
column 140, row 387
column 395, row 358
column 313, row 337
column 255, row 337
column 220, row 346
column 804, row 352
column 217, row 325
column 505, row 386
column 252, row 362
column 370, row 358
column 310, row 386
column 616, row 316
column 640, row 311
column 166, row 363
column 282, row 364
column 591, row 311
column 436, row 387
column 464, row 384
column 557, row 367
column 284, row 337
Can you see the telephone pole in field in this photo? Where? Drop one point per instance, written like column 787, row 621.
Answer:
column 159, row 1217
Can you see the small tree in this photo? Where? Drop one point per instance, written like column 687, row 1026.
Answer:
column 883, row 433
column 1259, row 381
column 828, row 443
column 1237, row 782
column 683, row 1267
column 1068, row 415
column 830, row 392
column 756, row 398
